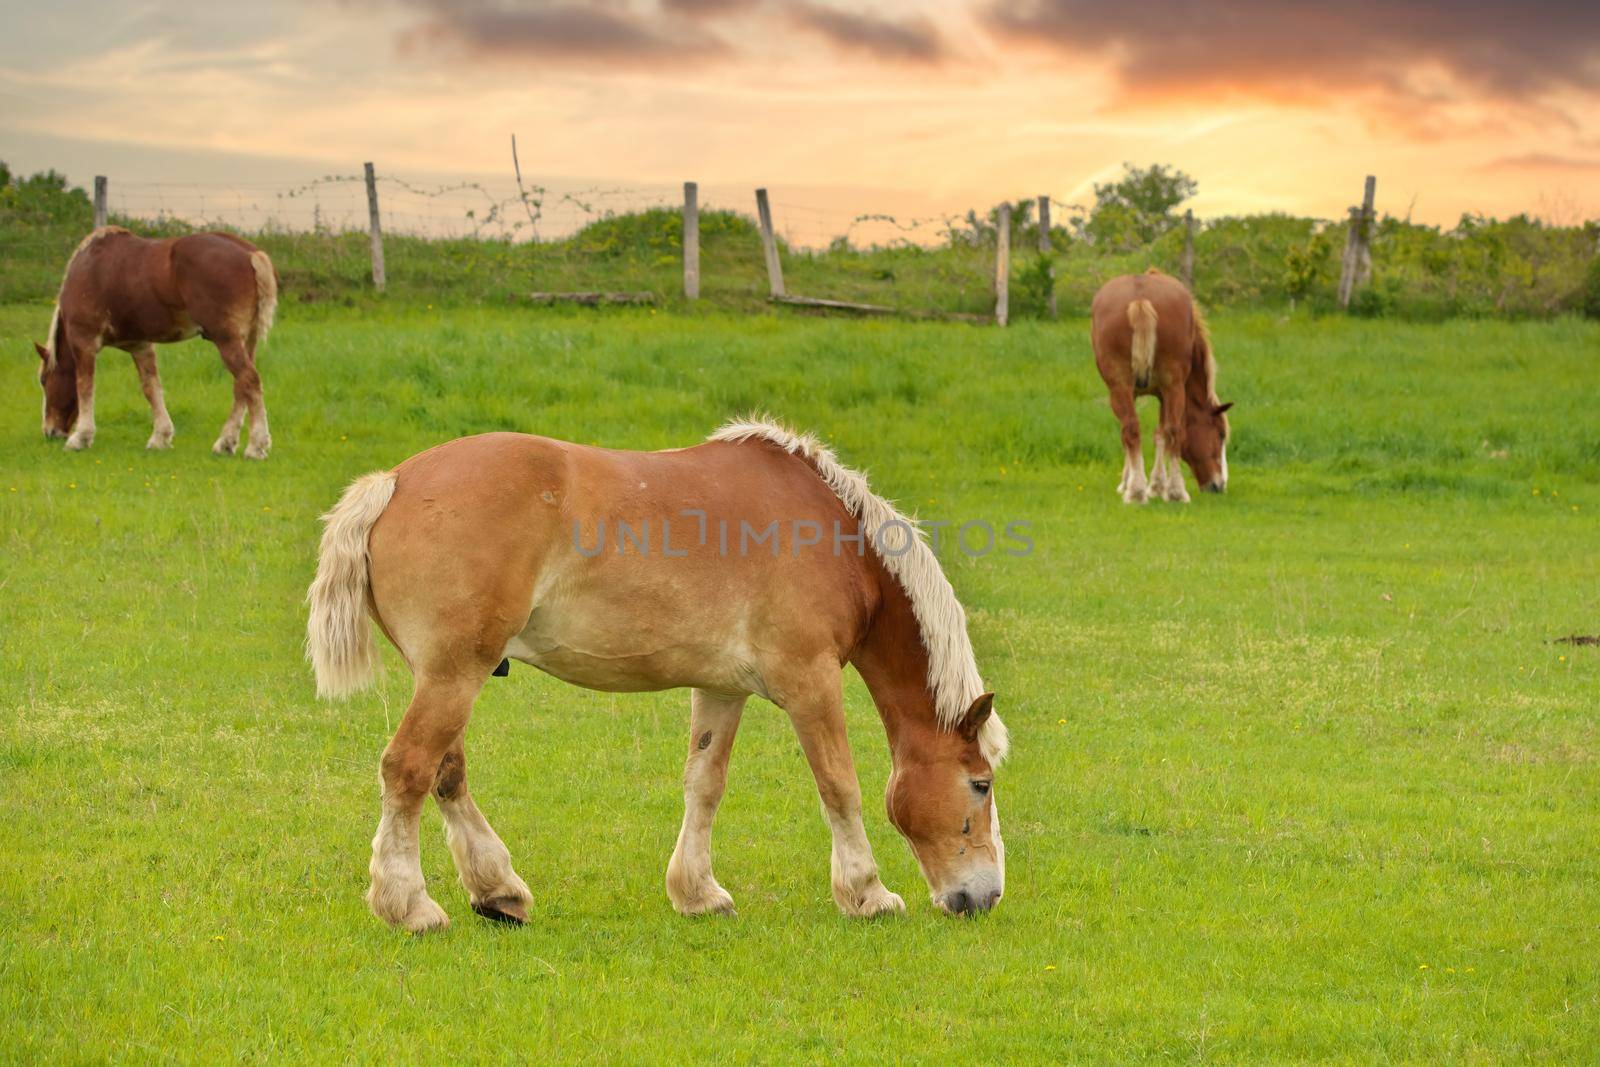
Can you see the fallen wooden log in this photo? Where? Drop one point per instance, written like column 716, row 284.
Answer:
column 833, row 305
column 592, row 299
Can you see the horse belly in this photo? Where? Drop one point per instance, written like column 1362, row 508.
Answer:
column 590, row 649
column 152, row 326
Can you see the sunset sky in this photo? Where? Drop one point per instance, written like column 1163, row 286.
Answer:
column 1467, row 106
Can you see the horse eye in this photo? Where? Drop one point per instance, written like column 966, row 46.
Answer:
column 982, row 788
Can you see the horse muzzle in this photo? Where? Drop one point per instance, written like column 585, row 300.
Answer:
column 965, row 904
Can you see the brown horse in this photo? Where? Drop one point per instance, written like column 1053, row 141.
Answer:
column 1151, row 340
column 752, row 564
column 127, row 292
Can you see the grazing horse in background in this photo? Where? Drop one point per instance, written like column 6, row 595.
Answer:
column 127, row 292
column 480, row 549
column 1151, row 340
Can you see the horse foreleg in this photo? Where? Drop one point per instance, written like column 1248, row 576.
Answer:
column 1170, row 447
column 82, row 435
column 246, row 400
column 713, row 721
column 144, row 359
column 1158, row 469
column 411, row 764
column 482, row 860
column 1133, row 487
column 817, row 712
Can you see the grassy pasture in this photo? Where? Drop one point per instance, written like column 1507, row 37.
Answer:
column 1297, row 773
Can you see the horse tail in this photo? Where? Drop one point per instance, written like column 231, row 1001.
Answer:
column 338, row 641
column 1142, row 317
column 266, row 296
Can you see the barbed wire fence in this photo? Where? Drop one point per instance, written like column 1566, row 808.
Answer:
column 601, row 243
column 336, row 235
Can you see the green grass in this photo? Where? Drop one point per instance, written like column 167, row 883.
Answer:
column 1296, row 773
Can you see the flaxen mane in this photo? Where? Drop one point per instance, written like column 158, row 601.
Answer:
column 952, row 670
column 1203, row 356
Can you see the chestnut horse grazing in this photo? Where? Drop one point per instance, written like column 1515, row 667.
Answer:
column 127, row 292
column 1150, row 340
column 754, row 563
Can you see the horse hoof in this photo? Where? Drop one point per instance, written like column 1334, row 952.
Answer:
column 1135, row 496
column 877, row 902
column 157, row 442
column 507, row 910
column 424, row 916
column 77, row 444
column 716, row 902
column 224, row 448
column 252, row 452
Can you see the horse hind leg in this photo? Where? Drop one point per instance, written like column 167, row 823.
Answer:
column 260, row 435
column 482, row 859
column 1133, row 487
column 144, row 359
column 411, row 764
column 247, row 399
column 713, row 721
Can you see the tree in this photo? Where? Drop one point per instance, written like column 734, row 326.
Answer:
column 1138, row 207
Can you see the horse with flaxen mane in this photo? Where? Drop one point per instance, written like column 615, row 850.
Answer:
column 497, row 546
column 127, row 292
column 1151, row 340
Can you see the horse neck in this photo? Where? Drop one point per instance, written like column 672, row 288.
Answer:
column 65, row 359
column 893, row 661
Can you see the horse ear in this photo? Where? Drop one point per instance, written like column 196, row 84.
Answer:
column 976, row 716
column 44, row 353
column 1221, row 408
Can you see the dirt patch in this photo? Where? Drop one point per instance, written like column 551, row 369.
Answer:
column 1578, row 639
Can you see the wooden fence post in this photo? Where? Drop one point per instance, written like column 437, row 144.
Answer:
column 1002, row 266
column 99, row 200
column 691, row 240
column 769, row 244
column 1045, row 249
column 1368, row 220
column 1356, row 266
column 378, row 278
column 1347, row 264
column 1186, row 266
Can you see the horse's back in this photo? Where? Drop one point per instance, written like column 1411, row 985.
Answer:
column 1112, row 325
column 611, row 569
column 140, row 289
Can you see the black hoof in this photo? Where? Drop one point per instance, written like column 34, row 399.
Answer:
column 505, row 910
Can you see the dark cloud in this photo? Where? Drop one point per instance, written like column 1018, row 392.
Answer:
column 1514, row 53
column 708, row 8
column 573, row 32
column 909, row 41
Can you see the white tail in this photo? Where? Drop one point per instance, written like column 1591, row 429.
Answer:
column 266, row 295
column 1142, row 317
column 338, row 640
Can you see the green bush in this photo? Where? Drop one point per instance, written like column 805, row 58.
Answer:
column 1591, row 289
column 1034, row 283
